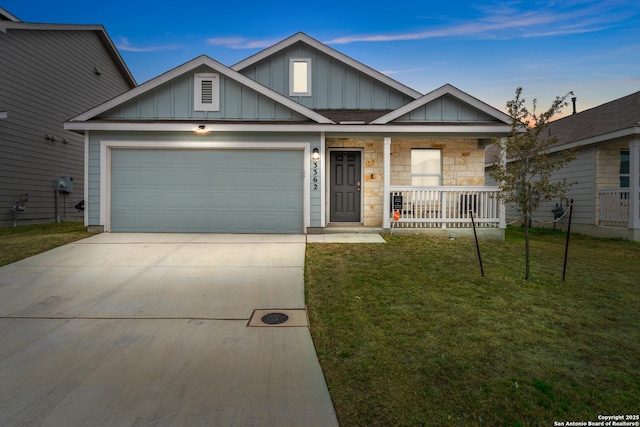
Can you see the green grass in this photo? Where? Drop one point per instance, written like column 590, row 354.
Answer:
column 17, row 243
column 408, row 333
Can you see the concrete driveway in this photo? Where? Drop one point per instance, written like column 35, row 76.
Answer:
column 159, row 329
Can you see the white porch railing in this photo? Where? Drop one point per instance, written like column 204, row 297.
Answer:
column 444, row 207
column 614, row 207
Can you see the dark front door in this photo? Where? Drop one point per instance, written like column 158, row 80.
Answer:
column 345, row 186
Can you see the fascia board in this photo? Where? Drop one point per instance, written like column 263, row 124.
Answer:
column 116, row 55
column 620, row 133
column 11, row 17
column 330, row 52
column 191, row 65
column 480, row 130
column 10, row 25
column 447, row 89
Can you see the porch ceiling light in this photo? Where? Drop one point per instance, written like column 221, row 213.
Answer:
column 316, row 155
column 202, row 129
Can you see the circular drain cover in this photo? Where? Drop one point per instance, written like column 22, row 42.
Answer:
column 274, row 318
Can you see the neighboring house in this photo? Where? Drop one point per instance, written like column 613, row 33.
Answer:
column 48, row 74
column 297, row 138
column 605, row 174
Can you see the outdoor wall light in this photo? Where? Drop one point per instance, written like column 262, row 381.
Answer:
column 202, row 129
column 316, row 155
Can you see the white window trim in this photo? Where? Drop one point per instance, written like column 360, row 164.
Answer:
column 292, row 61
column 199, row 78
column 438, row 175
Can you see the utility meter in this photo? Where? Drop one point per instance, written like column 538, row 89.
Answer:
column 64, row 184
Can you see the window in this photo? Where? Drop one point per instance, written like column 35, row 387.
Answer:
column 206, row 95
column 624, row 169
column 426, row 167
column 300, row 77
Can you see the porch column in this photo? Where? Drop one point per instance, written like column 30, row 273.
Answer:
column 386, row 198
column 634, row 184
column 501, row 206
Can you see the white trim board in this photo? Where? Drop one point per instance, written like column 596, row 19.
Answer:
column 444, row 130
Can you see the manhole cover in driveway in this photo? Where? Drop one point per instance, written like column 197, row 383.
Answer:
column 274, row 318
column 279, row 317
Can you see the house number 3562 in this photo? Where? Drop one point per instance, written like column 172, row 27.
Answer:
column 315, row 176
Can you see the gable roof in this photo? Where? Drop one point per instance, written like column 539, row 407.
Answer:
column 446, row 89
column 191, row 66
column 10, row 22
column 6, row 16
column 619, row 117
column 301, row 37
column 614, row 119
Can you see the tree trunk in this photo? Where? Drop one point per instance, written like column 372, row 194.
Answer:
column 526, row 245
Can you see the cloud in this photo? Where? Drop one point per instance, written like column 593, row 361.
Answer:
column 239, row 42
column 505, row 21
column 405, row 71
column 126, row 46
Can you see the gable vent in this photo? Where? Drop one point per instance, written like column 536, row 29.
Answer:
column 206, row 92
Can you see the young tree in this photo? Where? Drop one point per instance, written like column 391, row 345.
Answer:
column 525, row 178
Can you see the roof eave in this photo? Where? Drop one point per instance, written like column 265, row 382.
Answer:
column 620, row 133
column 479, row 131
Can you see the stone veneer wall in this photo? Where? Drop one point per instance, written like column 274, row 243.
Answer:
column 462, row 164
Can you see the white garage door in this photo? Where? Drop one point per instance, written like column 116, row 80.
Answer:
column 218, row 191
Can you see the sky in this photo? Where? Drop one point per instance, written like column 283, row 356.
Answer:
column 484, row 48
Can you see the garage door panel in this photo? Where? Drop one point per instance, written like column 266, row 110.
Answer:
column 234, row 191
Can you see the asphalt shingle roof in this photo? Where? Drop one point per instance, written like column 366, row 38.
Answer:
column 618, row 114
column 621, row 113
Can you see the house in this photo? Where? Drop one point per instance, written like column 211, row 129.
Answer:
column 48, row 74
column 297, row 138
column 605, row 173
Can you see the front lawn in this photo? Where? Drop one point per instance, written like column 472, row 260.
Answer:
column 24, row 241
column 408, row 333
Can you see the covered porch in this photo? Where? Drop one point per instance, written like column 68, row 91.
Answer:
column 445, row 207
column 620, row 207
column 393, row 180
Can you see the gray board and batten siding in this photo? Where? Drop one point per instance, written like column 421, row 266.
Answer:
column 335, row 85
column 174, row 100
column 445, row 109
column 47, row 77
